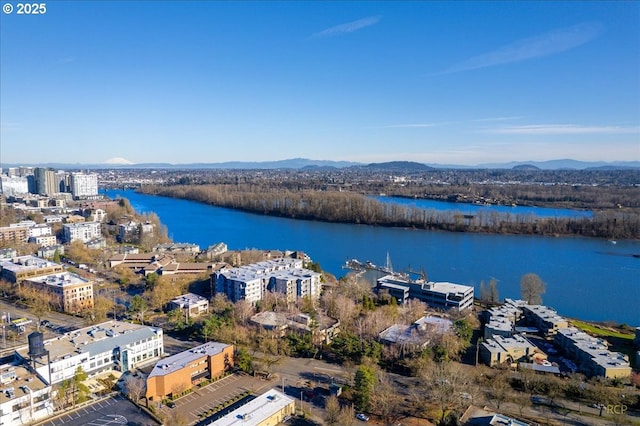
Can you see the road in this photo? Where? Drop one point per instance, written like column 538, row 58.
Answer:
column 57, row 318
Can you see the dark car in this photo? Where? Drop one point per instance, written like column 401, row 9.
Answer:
column 171, row 404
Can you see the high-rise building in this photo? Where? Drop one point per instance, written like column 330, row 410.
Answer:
column 14, row 185
column 84, row 185
column 46, row 181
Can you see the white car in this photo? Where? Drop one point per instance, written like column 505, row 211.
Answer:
column 362, row 416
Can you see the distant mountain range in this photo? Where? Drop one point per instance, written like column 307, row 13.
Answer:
column 304, row 163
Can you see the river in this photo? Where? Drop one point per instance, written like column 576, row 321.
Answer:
column 586, row 278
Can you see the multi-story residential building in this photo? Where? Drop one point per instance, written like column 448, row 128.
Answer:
column 112, row 345
column 14, row 185
column 131, row 231
column 44, row 240
column 46, row 181
column 544, row 319
column 591, row 354
column 25, row 396
column 190, row 304
column 21, row 268
column 180, row 372
column 8, row 253
column 84, row 232
column 13, row 234
column 250, row 282
column 84, row 185
column 270, row 408
column 38, row 230
column 501, row 320
column 501, row 350
column 438, row 295
column 69, row 292
column 48, row 252
column 53, row 218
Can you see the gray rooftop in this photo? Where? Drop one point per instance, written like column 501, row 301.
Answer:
column 180, row 360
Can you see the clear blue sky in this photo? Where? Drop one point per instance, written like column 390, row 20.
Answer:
column 433, row 82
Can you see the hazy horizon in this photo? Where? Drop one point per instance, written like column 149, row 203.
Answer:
column 462, row 83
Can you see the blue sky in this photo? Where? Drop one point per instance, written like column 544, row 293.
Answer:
column 433, row 82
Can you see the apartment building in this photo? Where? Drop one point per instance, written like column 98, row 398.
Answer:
column 545, row 319
column 251, row 282
column 69, row 292
column 46, row 181
column 438, row 295
column 12, row 235
column 501, row 350
column 184, row 370
column 112, row 345
column 84, row 185
column 14, row 185
column 48, row 252
column 44, row 240
column 25, row 397
column 191, row 305
column 84, row 231
column 20, row 268
column 591, row 354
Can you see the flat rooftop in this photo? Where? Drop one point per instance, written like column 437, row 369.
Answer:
column 20, row 380
column 62, row 279
column 256, row 411
column 189, row 299
column 24, row 263
column 95, row 339
column 180, row 360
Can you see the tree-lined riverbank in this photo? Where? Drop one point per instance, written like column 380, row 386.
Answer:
column 350, row 207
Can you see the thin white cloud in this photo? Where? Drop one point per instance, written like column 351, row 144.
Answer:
column 534, row 47
column 349, row 27
column 562, row 129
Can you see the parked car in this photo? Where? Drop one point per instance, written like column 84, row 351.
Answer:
column 171, row 404
column 362, row 417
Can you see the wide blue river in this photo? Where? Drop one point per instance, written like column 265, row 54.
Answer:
column 586, row 278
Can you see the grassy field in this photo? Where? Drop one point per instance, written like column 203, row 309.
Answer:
column 600, row 331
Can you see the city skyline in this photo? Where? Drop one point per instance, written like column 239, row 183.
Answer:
column 210, row 82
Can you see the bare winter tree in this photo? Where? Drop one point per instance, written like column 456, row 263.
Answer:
column 134, row 387
column 532, row 288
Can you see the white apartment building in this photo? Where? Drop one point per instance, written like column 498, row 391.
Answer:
column 25, row 397
column 38, row 230
column 84, row 232
column 14, row 185
column 112, row 345
column 251, row 282
column 84, row 185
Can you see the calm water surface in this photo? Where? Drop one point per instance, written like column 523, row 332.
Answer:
column 586, row 278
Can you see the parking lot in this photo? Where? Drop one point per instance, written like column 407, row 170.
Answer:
column 111, row 411
column 209, row 397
